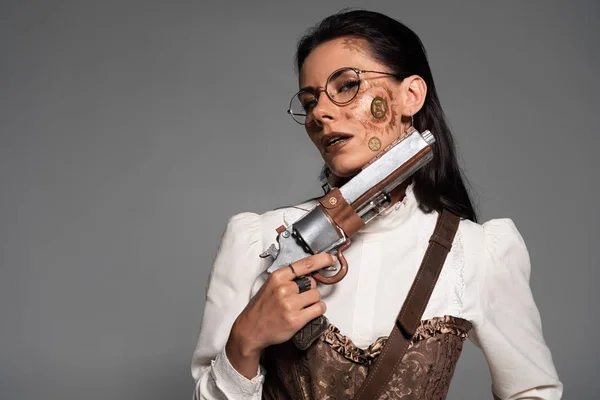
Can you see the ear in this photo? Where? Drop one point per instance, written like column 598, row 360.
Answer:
column 414, row 93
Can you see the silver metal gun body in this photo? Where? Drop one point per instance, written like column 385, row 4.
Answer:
column 314, row 232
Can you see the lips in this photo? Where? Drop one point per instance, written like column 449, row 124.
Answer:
column 333, row 141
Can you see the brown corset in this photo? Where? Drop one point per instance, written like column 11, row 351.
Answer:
column 333, row 368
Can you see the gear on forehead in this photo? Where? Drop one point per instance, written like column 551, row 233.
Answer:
column 355, row 44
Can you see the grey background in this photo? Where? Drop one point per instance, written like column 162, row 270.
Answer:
column 132, row 130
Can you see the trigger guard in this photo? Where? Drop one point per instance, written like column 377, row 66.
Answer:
column 330, row 280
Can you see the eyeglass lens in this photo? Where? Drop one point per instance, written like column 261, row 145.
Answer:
column 341, row 88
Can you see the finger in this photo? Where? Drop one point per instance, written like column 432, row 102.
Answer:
column 311, row 264
column 312, row 283
column 291, row 288
column 287, row 273
column 312, row 312
column 307, row 299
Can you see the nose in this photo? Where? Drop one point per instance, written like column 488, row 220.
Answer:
column 325, row 112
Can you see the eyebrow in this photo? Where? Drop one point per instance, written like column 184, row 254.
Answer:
column 310, row 89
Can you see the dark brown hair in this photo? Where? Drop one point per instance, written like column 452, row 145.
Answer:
column 440, row 184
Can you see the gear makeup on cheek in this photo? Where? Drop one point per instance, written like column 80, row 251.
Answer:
column 378, row 111
column 375, row 111
column 379, row 107
column 374, row 143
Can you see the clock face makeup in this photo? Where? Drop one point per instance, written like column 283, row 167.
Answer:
column 379, row 107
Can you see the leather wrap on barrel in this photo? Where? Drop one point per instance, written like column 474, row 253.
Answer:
column 340, row 212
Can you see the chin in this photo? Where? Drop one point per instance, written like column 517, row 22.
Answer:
column 346, row 167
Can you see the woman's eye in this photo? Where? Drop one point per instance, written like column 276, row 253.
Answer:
column 348, row 86
column 309, row 105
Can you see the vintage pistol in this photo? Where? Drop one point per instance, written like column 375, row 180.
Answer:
column 341, row 213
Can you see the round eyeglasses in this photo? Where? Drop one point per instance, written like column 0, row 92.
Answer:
column 341, row 87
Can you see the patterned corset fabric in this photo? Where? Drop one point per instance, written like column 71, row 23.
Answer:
column 333, row 367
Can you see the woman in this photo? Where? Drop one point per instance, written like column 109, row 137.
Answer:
column 365, row 81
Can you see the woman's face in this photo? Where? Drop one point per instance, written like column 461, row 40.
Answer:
column 367, row 124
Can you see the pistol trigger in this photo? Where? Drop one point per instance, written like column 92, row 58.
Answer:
column 335, row 266
column 343, row 270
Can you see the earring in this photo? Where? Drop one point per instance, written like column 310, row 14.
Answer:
column 410, row 127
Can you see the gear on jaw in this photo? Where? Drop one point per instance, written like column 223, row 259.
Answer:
column 374, row 143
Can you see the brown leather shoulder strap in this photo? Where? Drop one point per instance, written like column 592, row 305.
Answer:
column 410, row 315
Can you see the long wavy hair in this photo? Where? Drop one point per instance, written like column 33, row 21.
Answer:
column 440, row 184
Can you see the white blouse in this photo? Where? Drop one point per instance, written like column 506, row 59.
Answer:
column 485, row 280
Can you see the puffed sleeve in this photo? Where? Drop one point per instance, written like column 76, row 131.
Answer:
column 235, row 269
column 509, row 329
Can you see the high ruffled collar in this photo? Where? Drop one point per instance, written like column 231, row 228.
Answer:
column 395, row 215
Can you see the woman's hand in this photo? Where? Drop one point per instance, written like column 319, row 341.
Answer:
column 275, row 313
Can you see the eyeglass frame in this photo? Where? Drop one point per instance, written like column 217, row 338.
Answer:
column 324, row 89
